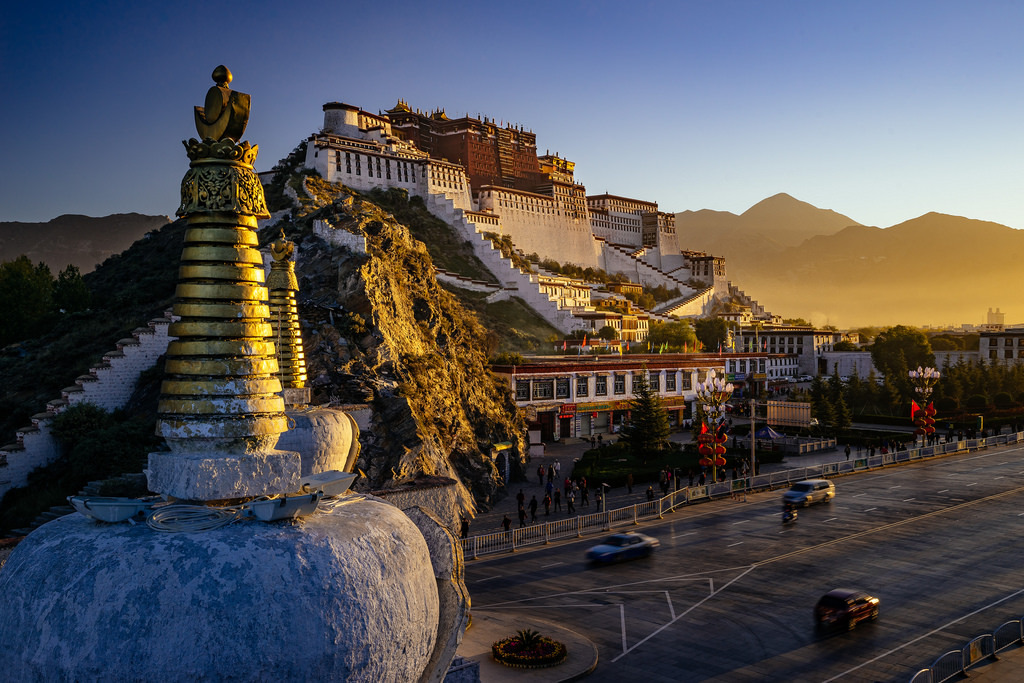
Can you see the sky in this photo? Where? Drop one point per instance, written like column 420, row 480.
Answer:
column 881, row 111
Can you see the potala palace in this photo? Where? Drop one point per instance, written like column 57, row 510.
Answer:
column 487, row 180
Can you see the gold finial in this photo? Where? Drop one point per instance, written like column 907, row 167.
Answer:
column 226, row 111
column 281, row 249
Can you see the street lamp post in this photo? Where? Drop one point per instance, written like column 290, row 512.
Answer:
column 712, row 394
column 924, row 381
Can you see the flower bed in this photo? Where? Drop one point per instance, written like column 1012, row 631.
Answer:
column 529, row 650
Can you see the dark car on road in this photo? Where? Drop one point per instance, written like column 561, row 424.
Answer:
column 844, row 608
column 625, row 546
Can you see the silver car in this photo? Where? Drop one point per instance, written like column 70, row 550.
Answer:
column 810, row 491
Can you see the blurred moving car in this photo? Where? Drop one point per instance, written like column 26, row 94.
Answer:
column 809, row 491
column 623, row 546
column 843, row 608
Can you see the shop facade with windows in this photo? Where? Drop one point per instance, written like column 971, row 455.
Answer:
column 583, row 397
column 760, row 370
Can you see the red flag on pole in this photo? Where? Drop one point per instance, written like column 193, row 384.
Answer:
column 565, row 344
column 913, row 409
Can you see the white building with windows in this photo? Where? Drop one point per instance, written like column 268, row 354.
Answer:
column 577, row 397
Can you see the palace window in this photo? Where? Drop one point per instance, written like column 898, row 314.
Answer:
column 522, row 390
column 582, row 386
column 562, row 387
column 378, row 167
column 654, row 379
column 670, row 381
column 687, row 380
column 348, row 162
column 601, row 385
column 387, row 168
column 543, row 389
column 358, row 164
column 620, row 384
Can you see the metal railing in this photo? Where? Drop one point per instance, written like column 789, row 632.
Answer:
column 955, row 663
column 474, row 547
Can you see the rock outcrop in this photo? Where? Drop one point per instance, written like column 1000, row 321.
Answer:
column 379, row 329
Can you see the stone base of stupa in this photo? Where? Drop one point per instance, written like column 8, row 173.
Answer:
column 348, row 595
column 204, row 476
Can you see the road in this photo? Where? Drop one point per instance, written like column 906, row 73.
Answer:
column 729, row 595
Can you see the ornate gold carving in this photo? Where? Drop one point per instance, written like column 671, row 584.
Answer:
column 233, row 189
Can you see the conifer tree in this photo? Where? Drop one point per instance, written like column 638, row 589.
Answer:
column 648, row 428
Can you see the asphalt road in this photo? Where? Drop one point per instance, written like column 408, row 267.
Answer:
column 730, row 593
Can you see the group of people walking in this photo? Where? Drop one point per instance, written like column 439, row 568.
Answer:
column 567, row 492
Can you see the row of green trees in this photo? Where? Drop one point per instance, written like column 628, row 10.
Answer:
column 31, row 299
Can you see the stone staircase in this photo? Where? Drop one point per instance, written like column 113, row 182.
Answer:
column 109, row 384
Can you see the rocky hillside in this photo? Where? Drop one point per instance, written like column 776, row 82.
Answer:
column 81, row 241
column 377, row 327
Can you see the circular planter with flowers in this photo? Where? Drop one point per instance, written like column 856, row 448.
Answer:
column 528, row 649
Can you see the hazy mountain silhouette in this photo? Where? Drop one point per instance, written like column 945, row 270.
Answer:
column 82, row 241
column 935, row 269
column 763, row 230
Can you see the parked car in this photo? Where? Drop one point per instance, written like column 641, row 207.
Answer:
column 806, row 378
column 844, row 608
column 623, row 546
column 810, row 491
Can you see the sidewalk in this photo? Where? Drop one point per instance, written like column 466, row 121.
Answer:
column 565, row 452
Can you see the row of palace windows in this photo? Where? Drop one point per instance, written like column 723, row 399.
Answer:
column 401, row 167
column 558, row 388
column 1008, row 353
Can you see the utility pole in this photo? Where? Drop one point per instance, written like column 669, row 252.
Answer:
column 753, row 442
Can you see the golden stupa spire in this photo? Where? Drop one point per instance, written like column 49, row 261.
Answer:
column 220, row 409
column 284, row 319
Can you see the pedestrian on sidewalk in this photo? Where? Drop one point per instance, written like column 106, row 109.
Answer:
column 540, row 474
column 547, row 505
column 558, row 500
column 570, row 502
column 521, row 498
column 558, row 469
column 506, row 523
column 629, row 482
column 551, row 473
column 464, row 530
column 522, row 516
column 585, row 500
column 650, row 493
column 847, row 451
column 533, row 509
column 600, row 501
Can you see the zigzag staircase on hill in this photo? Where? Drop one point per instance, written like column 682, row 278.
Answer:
column 109, row 384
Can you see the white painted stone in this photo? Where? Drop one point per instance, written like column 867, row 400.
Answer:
column 325, row 438
column 206, row 476
column 349, row 596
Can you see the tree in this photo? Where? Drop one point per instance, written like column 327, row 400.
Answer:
column 648, row 428
column 608, row 333
column 901, row 347
column 26, row 299
column 677, row 334
column 70, row 293
column 712, row 332
column 845, row 345
column 841, row 419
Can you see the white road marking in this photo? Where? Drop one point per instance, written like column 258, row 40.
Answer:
column 831, row 519
column 688, row 533
column 488, row 578
column 554, row 564
column 907, row 500
column 736, row 543
column 870, row 509
column 622, row 618
column 742, row 521
column 943, row 491
column 671, row 609
column 973, row 483
column 858, row 495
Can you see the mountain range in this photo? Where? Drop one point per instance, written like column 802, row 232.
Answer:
column 81, row 241
column 797, row 260
column 801, row 261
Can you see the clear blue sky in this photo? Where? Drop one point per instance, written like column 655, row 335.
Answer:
column 882, row 111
